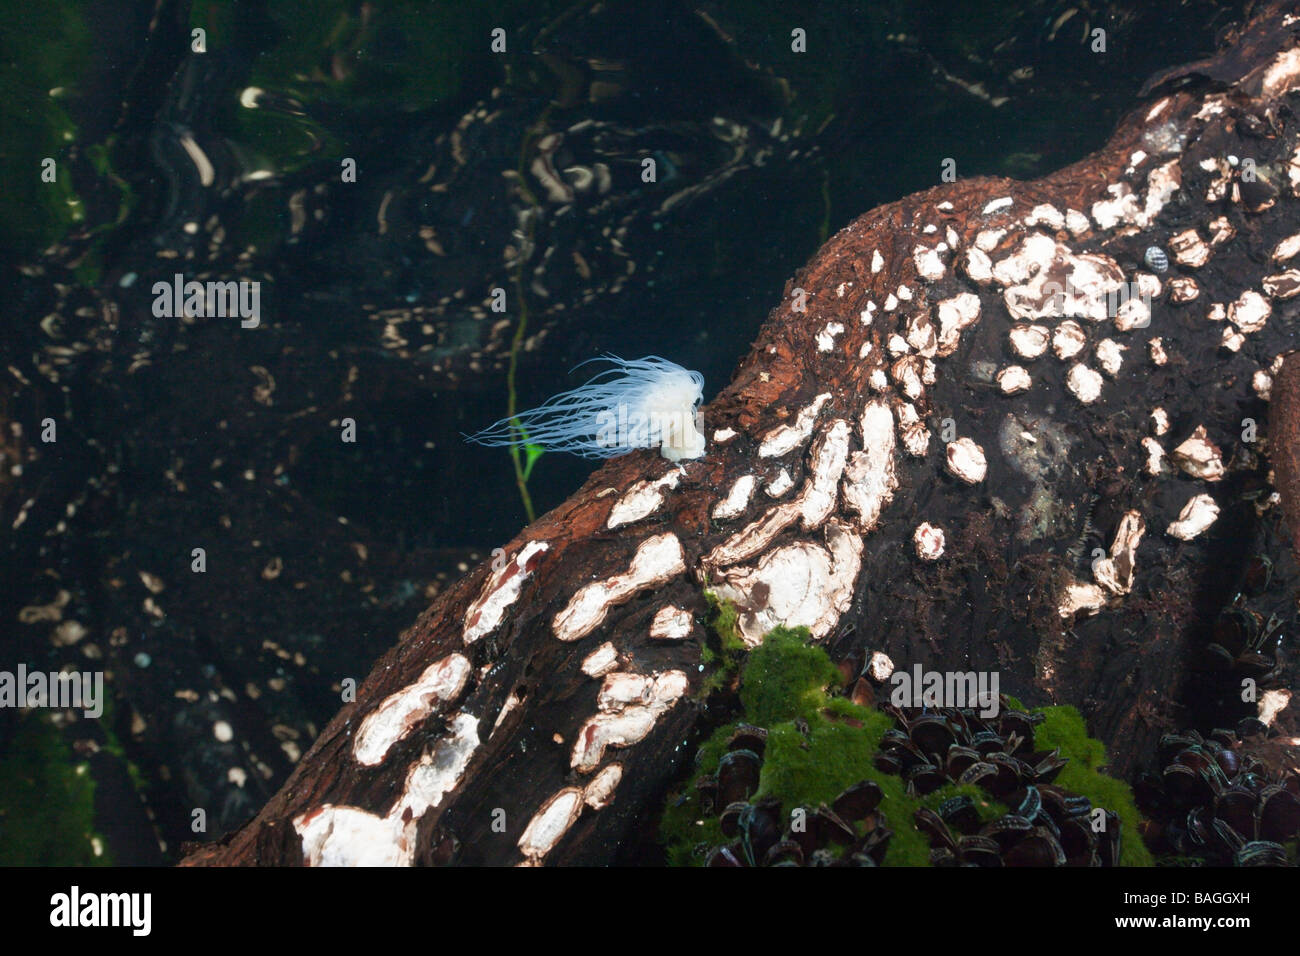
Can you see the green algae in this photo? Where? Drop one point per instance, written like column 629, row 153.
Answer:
column 47, row 800
column 724, row 649
column 42, row 62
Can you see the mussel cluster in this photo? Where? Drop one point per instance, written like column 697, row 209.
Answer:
column 1241, row 635
column 1046, row 825
column 1218, row 801
column 762, row 835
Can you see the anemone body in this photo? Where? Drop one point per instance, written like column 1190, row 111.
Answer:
column 635, row 403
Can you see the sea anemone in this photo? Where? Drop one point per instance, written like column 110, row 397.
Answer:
column 638, row 403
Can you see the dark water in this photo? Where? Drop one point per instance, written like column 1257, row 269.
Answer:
column 228, row 164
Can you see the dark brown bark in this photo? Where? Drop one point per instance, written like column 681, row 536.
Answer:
column 1284, row 440
column 507, row 729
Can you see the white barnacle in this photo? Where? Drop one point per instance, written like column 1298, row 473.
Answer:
column 1288, row 248
column 1249, row 312
column 657, row 561
column 929, row 263
column 1084, row 383
column 928, row 541
column 1080, row 597
column 1110, row 355
column 1068, row 340
column 1014, row 379
column 639, row 403
column 401, row 712
column 1155, row 456
column 1028, row 341
column 1197, row 515
column 955, row 314
column 549, row 824
column 671, row 623
column 1116, row 572
column 966, row 461
column 784, row 439
column 1200, row 457
column 737, row 499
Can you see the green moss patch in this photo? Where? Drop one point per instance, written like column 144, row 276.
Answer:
column 724, row 649
column 47, row 800
column 785, row 678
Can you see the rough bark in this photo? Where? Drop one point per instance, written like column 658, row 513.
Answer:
column 540, row 709
column 1285, row 438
